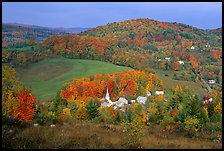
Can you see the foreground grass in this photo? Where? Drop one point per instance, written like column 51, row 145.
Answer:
column 46, row 77
column 82, row 135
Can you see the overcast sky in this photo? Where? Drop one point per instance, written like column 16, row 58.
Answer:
column 204, row 15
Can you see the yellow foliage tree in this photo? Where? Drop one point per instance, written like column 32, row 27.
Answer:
column 149, row 86
column 160, row 97
column 82, row 114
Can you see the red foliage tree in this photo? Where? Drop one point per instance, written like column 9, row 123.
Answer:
column 175, row 66
column 25, row 111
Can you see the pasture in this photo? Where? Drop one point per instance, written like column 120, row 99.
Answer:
column 170, row 82
column 46, row 77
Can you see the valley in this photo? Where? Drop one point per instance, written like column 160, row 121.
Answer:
column 137, row 83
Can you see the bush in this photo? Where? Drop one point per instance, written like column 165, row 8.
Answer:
column 65, row 116
column 133, row 133
column 191, row 124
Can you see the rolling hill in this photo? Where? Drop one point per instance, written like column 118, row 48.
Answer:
column 46, row 77
column 149, row 30
column 15, row 32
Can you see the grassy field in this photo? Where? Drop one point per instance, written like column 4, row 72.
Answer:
column 169, row 82
column 46, row 77
column 83, row 135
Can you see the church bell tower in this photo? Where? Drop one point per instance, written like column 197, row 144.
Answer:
column 107, row 95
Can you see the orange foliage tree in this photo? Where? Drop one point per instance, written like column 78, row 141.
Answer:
column 26, row 110
column 118, row 84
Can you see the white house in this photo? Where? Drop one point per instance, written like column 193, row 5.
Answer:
column 181, row 62
column 211, row 81
column 148, row 93
column 192, row 47
column 141, row 99
column 159, row 92
column 167, row 58
column 159, row 59
column 121, row 102
column 133, row 101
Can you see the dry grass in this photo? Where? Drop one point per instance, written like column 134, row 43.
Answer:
column 89, row 135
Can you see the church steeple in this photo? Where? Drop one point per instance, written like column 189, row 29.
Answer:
column 107, row 95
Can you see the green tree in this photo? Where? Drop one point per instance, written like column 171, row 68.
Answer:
column 129, row 115
column 117, row 118
column 57, row 103
column 91, row 109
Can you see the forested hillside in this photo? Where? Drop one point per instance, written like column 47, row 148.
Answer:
column 12, row 33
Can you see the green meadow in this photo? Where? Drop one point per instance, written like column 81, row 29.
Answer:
column 46, row 77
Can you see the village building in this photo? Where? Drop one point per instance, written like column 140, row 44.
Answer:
column 159, row 92
column 192, row 47
column 167, row 59
column 104, row 104
column 121, row 102
column 211, row 81
column 181, row 62
column 107, row 101
column 141, row 99
column 133, row 101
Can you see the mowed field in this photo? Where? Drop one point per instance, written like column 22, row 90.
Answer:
column 196, row 87
column 46, row 77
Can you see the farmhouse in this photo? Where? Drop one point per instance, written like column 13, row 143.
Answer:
column 121, row 102
column 159, row 92
column 167, row 59
column 181, row 62
column 192, row 47
column 141, row 99
column 211, row 81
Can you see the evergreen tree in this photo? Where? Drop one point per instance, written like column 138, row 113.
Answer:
column 129, row 116
column 91, row 109
column 117, row 118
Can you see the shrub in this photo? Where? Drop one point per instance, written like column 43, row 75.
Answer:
column 191, row 124
column 65, row 116
column 133, row 133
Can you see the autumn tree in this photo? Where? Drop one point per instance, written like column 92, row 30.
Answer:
column 21, row 57
column 11, row 87
column 175, row 66
column 31, row 41
column 25, row 110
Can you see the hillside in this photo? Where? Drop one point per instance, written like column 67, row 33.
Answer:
column 148, row 30
column 12, row 33
column 15, row 32
column 48, row 76
column 75, row 30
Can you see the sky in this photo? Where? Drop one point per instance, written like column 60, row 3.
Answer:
column 203, row 15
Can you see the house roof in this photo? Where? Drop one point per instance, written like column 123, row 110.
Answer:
column 141, row 98
column 104, row 104
column 121, row 100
